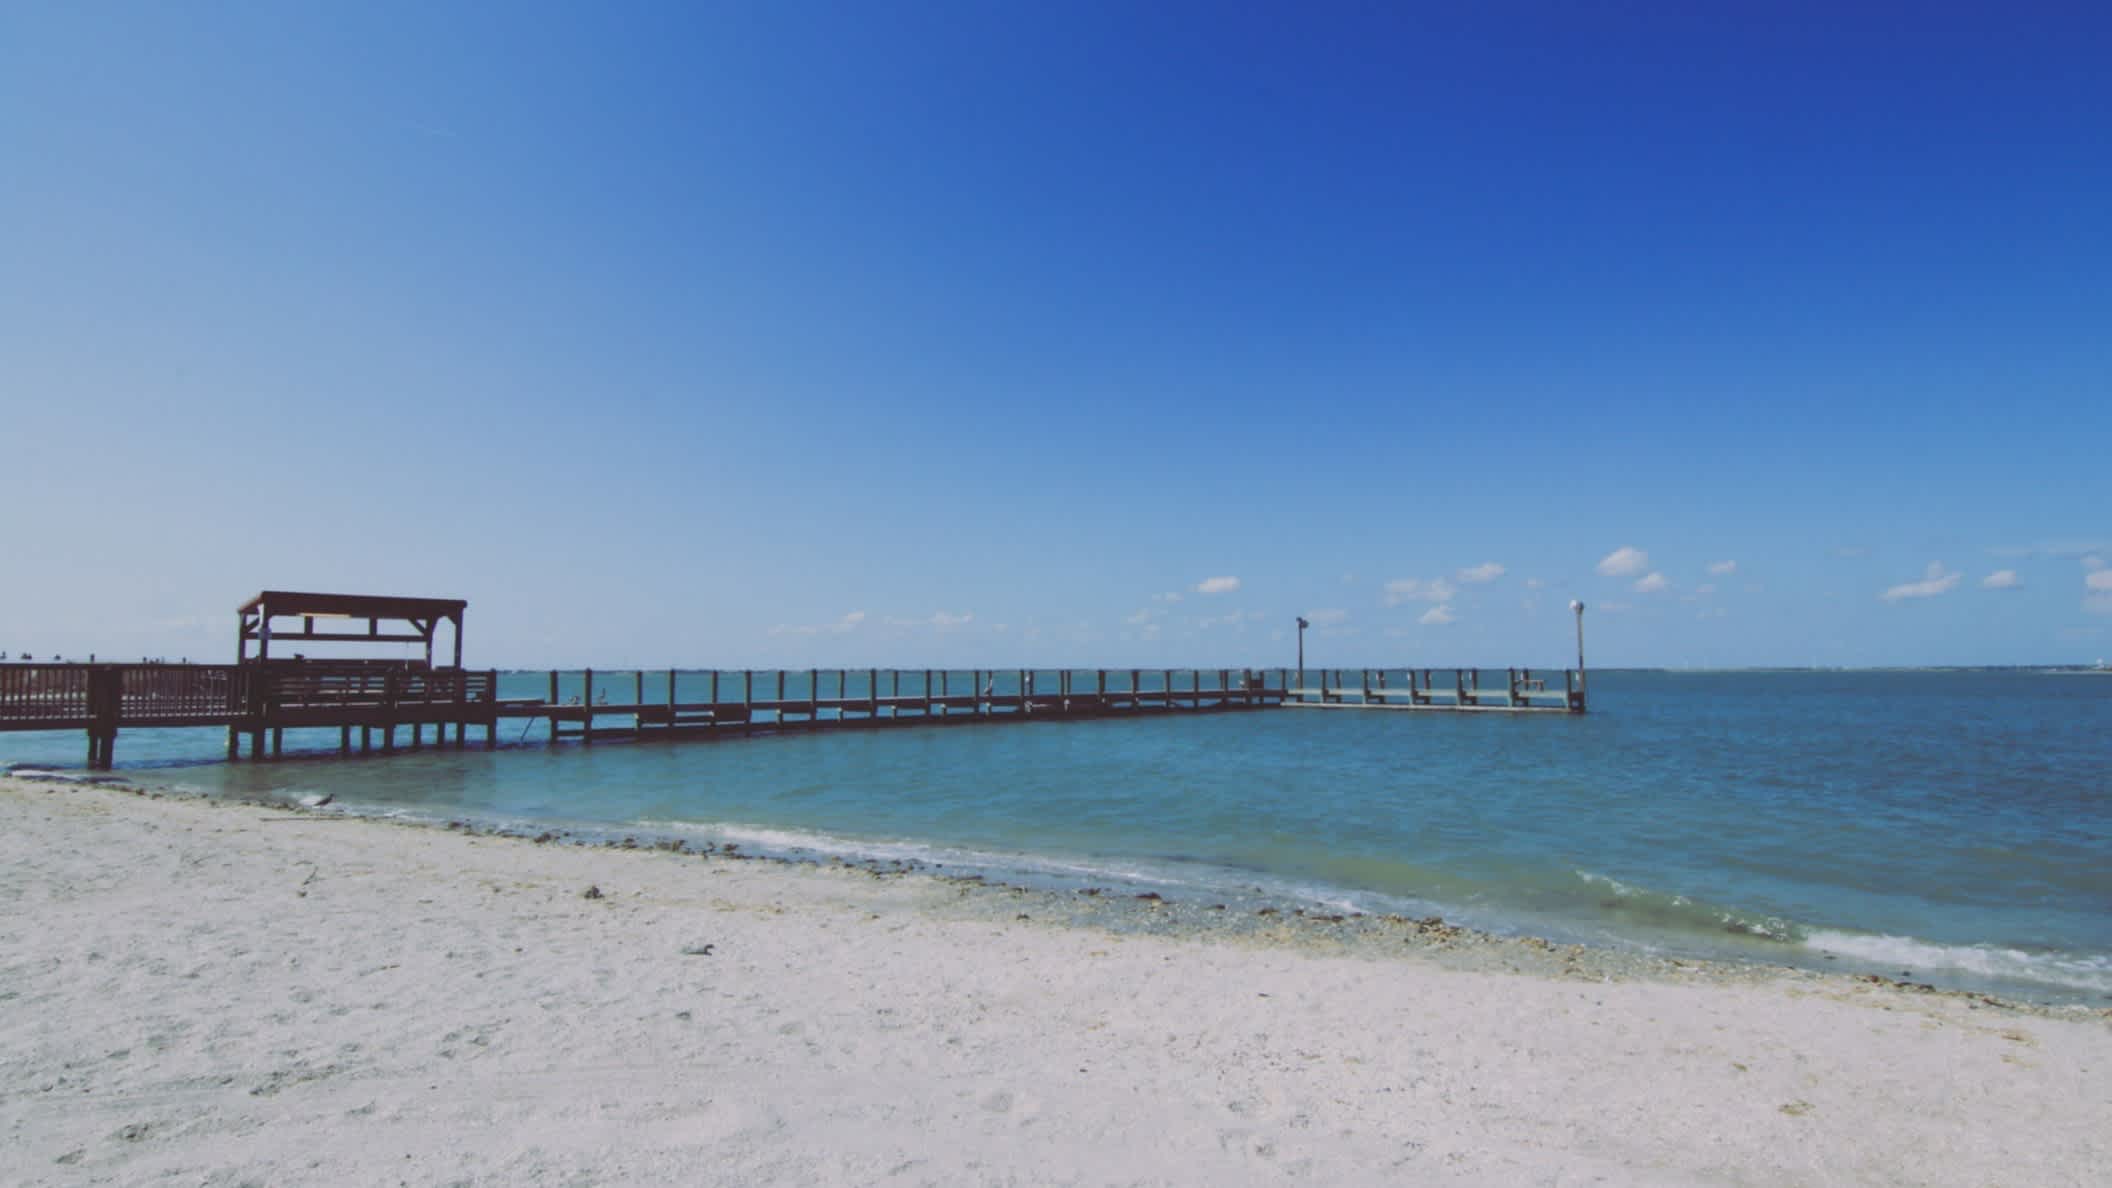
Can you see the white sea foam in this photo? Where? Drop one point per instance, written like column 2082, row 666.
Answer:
column 2070, row 971
column 1200, row 879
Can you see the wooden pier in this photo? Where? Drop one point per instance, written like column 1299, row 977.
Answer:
column 1461, row 689
column 392, row 701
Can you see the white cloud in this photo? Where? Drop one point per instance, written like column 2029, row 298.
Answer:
column 1534, row 583
column 1487, row 571
column 939, row 620
column 2097, row 586
column 1705, row 588
column 1168, row 596
column 2002, row 579
column 2097, row 592
column 1401, row 590
column 1625, row 561
column 1143, row 616
column 1651, row 584
column 1937, row 580
column 838, row 627
column 1723, row 568
column 1217, row 585
column 1437, row 616
column 1327, row 617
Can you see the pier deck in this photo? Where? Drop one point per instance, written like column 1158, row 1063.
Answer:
column 382, row 702
column 264, row 697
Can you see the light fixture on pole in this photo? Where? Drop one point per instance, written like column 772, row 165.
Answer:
column 1302, row 625
column 1579, row 608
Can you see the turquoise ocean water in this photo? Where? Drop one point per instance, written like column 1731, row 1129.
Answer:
column 1952, row 826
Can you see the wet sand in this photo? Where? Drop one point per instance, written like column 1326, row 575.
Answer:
column 230, row 993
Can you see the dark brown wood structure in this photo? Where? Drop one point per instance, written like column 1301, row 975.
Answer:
column 369, row 694
column 264, row 695
column 422, row 615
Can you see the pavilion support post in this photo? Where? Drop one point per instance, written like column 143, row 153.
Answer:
column 552, row 703
column 586, row 701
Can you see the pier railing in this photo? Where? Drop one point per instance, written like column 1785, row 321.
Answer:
column 1439, row 689
column 340, row 686
column 584, row 704
column 172, row 694
column 44, row 692
column 259, row 698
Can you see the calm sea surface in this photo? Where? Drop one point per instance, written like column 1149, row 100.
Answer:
column 1956, row 826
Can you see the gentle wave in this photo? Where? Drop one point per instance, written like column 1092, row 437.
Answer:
column 1623, row 904
column 1905, row 953
column 1196, row 877
column 1638, row 905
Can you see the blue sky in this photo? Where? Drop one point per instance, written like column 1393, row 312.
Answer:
column 990, row 334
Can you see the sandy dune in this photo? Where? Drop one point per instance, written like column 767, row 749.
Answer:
column 228, row 994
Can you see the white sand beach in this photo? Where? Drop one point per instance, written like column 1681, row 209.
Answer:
column 226, row 994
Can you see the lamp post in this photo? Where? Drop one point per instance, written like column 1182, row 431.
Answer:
column 1579, row 608
column 1302, row 625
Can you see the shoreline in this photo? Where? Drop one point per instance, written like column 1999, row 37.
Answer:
column 256, row 993
column 1284, row 915
column 1129, row 906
